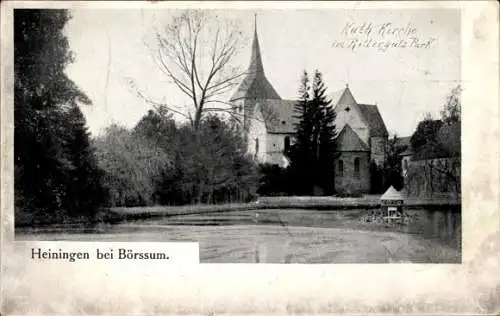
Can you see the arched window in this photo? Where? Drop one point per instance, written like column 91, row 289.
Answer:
column 287, row 143
column 356, row 167
column 341, row 168
column 256, row 146
column 405, row 164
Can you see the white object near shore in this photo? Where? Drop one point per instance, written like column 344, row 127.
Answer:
column 392, row 201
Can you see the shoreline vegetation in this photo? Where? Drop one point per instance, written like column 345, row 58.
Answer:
column 114, row 215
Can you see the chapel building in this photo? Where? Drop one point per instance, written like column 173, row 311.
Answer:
column 267, row 125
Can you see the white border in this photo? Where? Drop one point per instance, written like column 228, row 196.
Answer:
column 57, row 288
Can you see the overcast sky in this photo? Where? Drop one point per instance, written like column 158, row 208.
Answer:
column 405, row 82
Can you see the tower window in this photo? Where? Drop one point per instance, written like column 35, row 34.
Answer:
column 283, row 122
column 256, row 146
column 347, row 109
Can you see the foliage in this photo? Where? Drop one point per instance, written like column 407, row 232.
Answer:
column 390, row 173
column 435, row 167
column 327, row 137
column 426, row 133
column 452, row 109
column 376, row 178
column 160, row 163
column 274, row 181
column 315, row 147
column 131, row 164
column 56, row 175
column 301, row 157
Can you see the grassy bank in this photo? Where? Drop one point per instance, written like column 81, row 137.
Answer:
column 119, row 214
column 294, row 202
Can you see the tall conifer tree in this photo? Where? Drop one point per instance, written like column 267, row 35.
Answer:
column 313, row 153
column 325, row 135
column 300, row 153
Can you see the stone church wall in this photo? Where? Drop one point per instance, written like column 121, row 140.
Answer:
column 276, row 142
column 349, row 182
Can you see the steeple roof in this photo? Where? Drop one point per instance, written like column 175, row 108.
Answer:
column 368, row 113
column 343, row 97
column 255, row 85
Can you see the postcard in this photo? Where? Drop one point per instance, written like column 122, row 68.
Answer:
column 250, row 158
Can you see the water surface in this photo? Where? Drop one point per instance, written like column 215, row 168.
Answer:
column 286, row 236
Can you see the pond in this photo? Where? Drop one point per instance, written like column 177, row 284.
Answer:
column 288, row 235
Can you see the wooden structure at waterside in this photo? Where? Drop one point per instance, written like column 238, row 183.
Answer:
column 392, row 204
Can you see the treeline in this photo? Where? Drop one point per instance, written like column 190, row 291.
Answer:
column 158, row 162
column 61, row 174
column 55, row 170
column 436, row 144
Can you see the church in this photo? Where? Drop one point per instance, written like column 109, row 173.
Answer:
column 268, row 127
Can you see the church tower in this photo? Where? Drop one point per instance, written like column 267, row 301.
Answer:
column 254, row 86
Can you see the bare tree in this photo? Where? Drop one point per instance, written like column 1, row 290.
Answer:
column 196, row 51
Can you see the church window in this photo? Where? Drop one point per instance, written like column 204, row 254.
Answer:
column 347, row 109
column 256, row 145
column 287, row 143
column 356, row 167
column 341, row 168
column 405, row 164
column 283, row 122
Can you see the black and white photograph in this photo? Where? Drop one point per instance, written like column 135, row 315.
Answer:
column 249, row 158
column 266, row 136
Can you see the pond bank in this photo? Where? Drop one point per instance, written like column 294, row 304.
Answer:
column 294, row 202
column 120, row 214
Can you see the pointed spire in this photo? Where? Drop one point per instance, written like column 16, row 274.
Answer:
column 255, row 23
column 255, row 84
column 256, row 59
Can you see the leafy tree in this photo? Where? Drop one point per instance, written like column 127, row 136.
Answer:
column 452, row 109
column 426, row 133
column 392, row 167
column 215, row 167
column 49, row 128
column 273, row 181
column 376, row 178
column 135, row 161
column 437, row 157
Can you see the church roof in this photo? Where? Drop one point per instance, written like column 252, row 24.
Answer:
column 255, row 85
column 369, row 112
column 373, row 119
column 348, row 140
column 343, row 96
column 279, row 115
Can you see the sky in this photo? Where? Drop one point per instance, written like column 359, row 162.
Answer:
column 405, row 81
